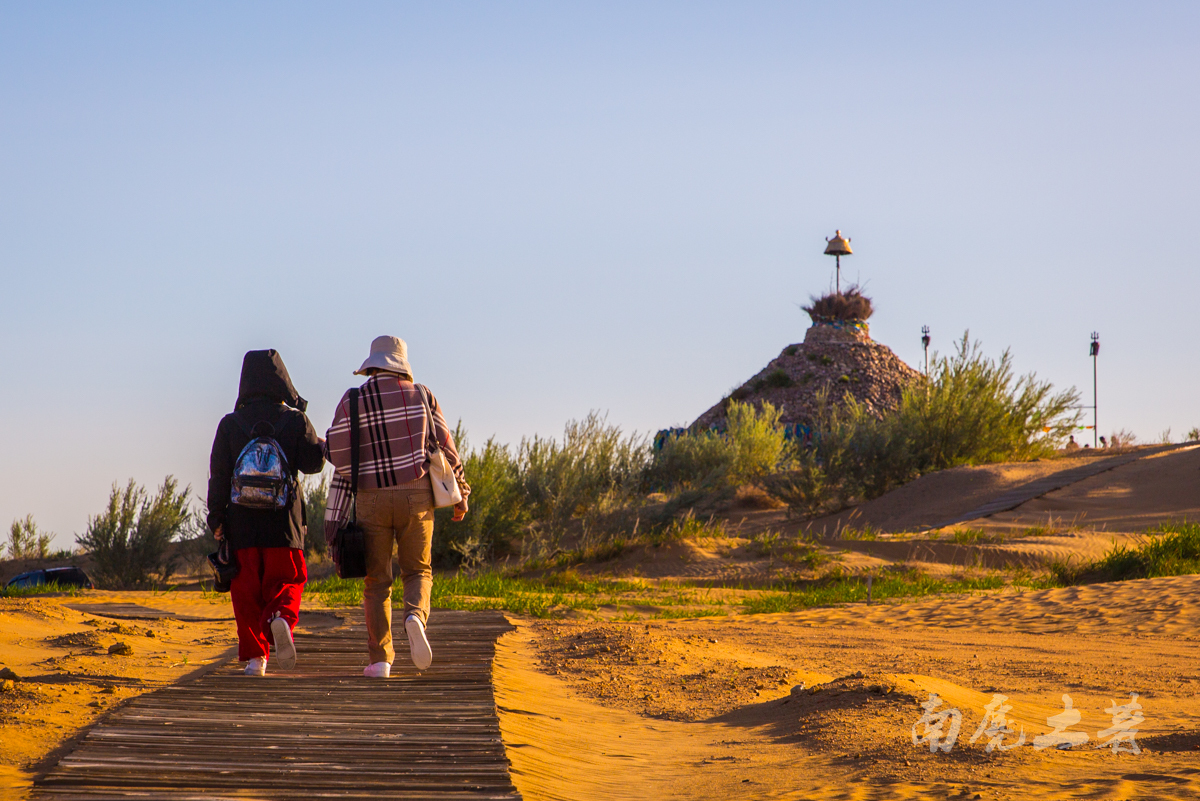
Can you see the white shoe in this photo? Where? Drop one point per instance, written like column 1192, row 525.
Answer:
column 285, row 647
column 257, row 666
column 418, row 646
column 378, row 670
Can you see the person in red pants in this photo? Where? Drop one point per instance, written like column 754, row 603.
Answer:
column 255, row 503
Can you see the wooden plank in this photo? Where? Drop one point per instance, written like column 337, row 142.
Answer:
column 322, row 731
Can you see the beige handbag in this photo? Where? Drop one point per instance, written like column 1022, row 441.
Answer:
column 446, row 491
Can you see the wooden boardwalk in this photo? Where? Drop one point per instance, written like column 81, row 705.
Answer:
column 320, row 731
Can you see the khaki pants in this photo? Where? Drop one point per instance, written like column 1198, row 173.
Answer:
column 400, row 517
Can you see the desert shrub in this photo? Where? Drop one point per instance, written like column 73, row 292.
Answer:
column 756, row 439
column 974, row 410
column 1122, row 439
column 196, row 541
column 498, row 510
column 805, row 488
column 315, row 491
column 687, row 527
column 845, row 306
column 130, row 540
column 1193, row 434
column 1171, row 549
column 777, row 379
column 593, row 465
column 691, row 461
column 26, row 542
column 752, row 446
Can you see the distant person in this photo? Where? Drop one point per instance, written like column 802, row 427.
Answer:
column 1072, row 445
column 1103, row 442
column 395, row 498
column 255, row 503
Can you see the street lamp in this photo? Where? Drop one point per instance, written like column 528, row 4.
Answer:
column 1094, row 352
column 838, row 246
column 925, row 342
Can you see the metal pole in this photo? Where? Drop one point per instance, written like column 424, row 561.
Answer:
column 925, row 343
column 1095, row 404
column 838, row 285
column 1095, row 353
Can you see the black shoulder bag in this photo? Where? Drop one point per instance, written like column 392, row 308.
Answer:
column 350, row 547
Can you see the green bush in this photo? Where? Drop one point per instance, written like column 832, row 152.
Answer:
column 130, row 540
column 975, row 411
column 26, row 542
column 1171, row 549
column 805, row 488
column 752, row 446
column 314, row 490
column 593, row 465
column 498, row 512
column 756, row 439
column 691, row 461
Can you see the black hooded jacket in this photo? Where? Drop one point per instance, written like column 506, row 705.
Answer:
column 264, row 394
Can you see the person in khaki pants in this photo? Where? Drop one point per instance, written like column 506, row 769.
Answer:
column 394, row 506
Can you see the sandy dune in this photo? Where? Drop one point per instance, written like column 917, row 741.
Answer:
column 586, row 724
column 1131, row 498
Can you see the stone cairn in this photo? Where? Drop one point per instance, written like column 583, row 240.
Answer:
column 838, row 354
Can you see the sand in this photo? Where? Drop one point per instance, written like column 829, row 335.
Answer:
column 813, row 704
column 1129, row 499
column 707, row 708
column 642, row 719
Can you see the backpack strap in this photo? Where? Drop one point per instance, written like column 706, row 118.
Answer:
column 355, row 441
column 242, row 424
column 251, row 431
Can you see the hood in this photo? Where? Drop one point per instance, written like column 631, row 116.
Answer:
column 264, row 377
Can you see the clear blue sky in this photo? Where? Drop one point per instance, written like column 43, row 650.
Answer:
column 569, row 206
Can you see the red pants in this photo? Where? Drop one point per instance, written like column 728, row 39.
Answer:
column 268, row 585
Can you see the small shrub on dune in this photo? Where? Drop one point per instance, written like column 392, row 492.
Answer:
column 26, row 542
column 691, row 461
column 753, row 445
column 315, row 491
column 1171, row 549
column 130, row 540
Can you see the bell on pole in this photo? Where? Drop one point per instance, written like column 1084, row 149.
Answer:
column 837, row 247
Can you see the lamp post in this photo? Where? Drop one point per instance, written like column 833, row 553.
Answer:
column 925, row 343
column 838, row 246
column 1094, row 352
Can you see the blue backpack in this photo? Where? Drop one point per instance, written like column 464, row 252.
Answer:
column 261, row 476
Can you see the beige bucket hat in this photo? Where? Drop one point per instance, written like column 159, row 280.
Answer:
column 387, row 353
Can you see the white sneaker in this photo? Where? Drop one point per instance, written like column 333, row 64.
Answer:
column 418, row 646
column 285, row 647
column 257, row 666
column 378, row 670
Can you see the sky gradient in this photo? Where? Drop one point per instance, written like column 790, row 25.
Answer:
column 566, row 207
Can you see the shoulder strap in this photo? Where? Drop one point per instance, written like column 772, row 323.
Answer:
column 242, row 424
column 431, row 442
column 354, row 442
